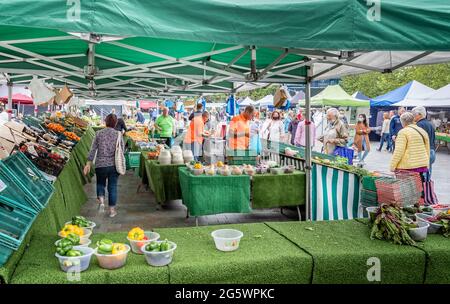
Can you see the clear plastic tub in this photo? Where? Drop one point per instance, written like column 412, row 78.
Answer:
column 372, row 212
column 159, row 258
column 434, row 228
column 436, row 210
column 76, row 264
column 86, row 234
column 112, row 261
column 420, row 233
column 136, row 245
column 90, row 227
column 227, row 239
column 83, row 243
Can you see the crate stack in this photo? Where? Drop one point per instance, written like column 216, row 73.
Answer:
column 214, row 150
column 404, row 189
column 369, row 197
column 24, row 192
column 241, row 157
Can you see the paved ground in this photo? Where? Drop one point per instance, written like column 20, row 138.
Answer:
column 140, row 209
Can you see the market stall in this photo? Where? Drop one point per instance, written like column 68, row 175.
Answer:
column 66, row 199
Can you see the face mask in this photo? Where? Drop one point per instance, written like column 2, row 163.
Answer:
column 276, row 118
column 360, row 119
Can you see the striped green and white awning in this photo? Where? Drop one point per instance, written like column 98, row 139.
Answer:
column 335, row 194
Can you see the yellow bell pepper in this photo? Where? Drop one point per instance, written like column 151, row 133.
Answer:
column 118, row 248
column 136, row 234
column 71, row 229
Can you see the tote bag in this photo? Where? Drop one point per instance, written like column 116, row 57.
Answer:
column 429, row 196
column 121, row 166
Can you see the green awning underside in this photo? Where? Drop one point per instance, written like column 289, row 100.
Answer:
column 151, row 48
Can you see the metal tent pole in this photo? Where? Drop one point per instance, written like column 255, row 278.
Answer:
column 10, row 103
column 308, row 140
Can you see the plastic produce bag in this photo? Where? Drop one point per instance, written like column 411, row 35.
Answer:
column 40, row 91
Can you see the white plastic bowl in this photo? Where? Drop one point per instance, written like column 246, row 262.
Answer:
column 86, row 235
column 227, row 239
column 434, row 228
column 76, row 264
column 136, row 245
column 91, row 226
column 372, row 212
column 83, row 242
column 420, row 233
column 276, row 171
column 198, row 171
column 159, row 258
column 112, row 261
column 436, row 211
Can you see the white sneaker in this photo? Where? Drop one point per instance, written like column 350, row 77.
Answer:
column 112, row 213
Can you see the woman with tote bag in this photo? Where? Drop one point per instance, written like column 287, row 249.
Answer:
column 108, row 151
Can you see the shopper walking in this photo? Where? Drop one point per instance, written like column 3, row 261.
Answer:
column 361, row 139
column 274, row 130
column 385, row 132
column 103, row 152
column 292, row 128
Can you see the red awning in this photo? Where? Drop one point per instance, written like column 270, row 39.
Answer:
column 18, row 98
column 147, row 104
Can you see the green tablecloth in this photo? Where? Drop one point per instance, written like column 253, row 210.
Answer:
column 269, row 190
column 39, row 265
column 164, row 180
column 196, row 260
column 445, row 138
column 205, row 195
column 288, row 252
column 65, row 201
column 341, row 250
column 142, row 174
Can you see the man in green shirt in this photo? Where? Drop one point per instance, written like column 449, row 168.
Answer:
column 165, row 125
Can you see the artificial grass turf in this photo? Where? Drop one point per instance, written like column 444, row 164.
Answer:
column 341, row 250
column 263, row 257
column 437, row 249
column 66, row 201
column 40, row 266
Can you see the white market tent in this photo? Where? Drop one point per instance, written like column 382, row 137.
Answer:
column 247, row 102
column 435, row 99
column 215, row 105
column 265, row 101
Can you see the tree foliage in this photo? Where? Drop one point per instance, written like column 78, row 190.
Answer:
column 373, row 84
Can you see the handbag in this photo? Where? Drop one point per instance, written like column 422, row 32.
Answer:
column 429, row 196
column 121, row 166
column 344, row 152
column 65, row 94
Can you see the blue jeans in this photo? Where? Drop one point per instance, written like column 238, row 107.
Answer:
column 385, row 138
column 363, row 155
column 432, row 159
column 107, row 174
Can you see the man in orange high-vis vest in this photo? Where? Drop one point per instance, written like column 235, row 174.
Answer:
column 239, row 131
column 193, row 139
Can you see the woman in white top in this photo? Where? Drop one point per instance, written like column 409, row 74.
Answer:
column 274, row 129
column 385, row 132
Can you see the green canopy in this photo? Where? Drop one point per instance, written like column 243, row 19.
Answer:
column 314, row 24
column 140, row 48
column 335, row 96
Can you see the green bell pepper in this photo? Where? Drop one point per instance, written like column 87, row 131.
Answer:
column 164, row 246
column 105, row 246
column 80, row 221
column 153, row 246
column 73, row 238
column 73, row 253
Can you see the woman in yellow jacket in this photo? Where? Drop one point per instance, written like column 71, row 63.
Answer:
column 411, row 148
